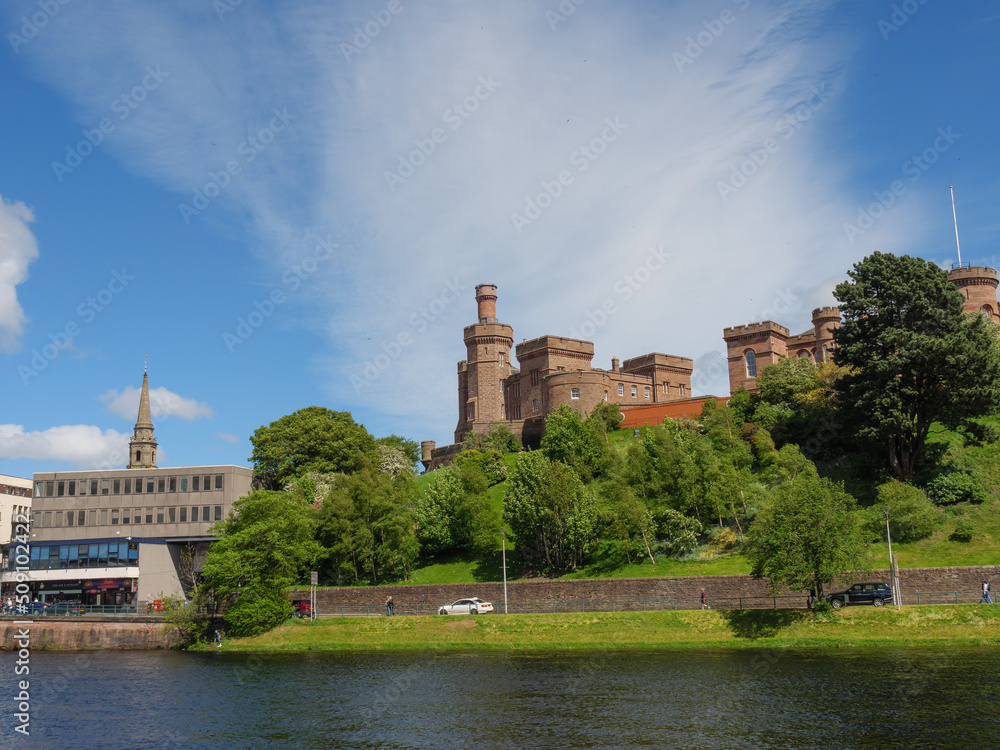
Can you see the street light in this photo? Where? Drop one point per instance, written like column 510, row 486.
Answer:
column 892, row 563
column 503, row 542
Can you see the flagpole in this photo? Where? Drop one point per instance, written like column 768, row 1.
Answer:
column 955, row 217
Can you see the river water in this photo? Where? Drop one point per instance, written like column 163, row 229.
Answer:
column 863, row 698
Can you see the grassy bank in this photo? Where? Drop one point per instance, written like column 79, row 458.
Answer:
column 861, row 626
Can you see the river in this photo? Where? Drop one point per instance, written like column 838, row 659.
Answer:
column 863, row 698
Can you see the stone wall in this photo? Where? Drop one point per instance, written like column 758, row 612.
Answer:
column 79, row 633
column 734, row 587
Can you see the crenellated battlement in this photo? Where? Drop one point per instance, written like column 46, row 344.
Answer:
column 764, row 326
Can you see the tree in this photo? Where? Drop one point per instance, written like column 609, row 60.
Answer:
column 409, row 448
column 550, row 513
column 456, row 512
column 265, row 545
column 499, row 439
column 807, row 534
column 367, row 527
column 314, row 439
column 914, row 356
column 581, row 445
column 912, row 516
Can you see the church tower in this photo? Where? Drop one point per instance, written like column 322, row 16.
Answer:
column 142, row 446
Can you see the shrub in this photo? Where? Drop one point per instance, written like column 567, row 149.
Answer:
column 912, row 516
column 956, row 487
column 677, row 534
column 964, row 529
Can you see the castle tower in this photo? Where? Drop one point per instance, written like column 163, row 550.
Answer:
column 487, row 364
column 751, row 348
column 825, row 320
column 978, row 285
column 142, row 446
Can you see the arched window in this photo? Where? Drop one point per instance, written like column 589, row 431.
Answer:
column 138, row 456
column 987, row 312
column 751, row 359
column 804, row 354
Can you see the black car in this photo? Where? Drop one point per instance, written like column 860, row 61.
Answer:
column 876, row 594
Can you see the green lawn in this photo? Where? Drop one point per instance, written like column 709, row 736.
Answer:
column 929, row 626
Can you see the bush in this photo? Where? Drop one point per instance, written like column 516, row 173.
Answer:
column 677, row 534
column 964, row 529
column 956, row 487
column 912, row 516
column 255, row 612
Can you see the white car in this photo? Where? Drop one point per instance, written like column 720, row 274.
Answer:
column 471, row 606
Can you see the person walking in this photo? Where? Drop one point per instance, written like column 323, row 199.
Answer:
column 388, row 605
column 986, row 592
column 704, row 600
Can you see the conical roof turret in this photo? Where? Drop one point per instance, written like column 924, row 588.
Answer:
column 144, row 419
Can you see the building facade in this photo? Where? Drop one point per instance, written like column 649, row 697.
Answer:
column 550, row 371
column 753, row 346
column 124, row 536
column 15, row 502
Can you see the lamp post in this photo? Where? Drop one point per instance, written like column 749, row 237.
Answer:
column 503, row 543
column 892, row 563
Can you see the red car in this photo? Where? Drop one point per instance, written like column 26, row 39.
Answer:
column 303, row 609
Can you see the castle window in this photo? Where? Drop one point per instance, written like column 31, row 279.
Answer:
column 574, row 393
column 635, row 391
column 470, row 412
column 501, row 358
column 751, row 360
column 645, row 392
column 621, row 389
column 666, row 389
column 605, row 395
column 560, row 369
column 534, row 405
column 680, row 389
column 987, row 312
column 534, row 377
column 826, row 353
column 803, row 354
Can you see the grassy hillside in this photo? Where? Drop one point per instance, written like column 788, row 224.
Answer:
column 716, row 555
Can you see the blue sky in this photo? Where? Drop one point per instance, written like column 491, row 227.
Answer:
column 266, row 198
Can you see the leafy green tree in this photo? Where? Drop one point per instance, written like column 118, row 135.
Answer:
column 626, row 524
column 787, row 380
column 583, row 446
column 550, row 513
column 499, row 439
column 956, row 487
column 367, row 527
column 606, row 414
column 808, row 533
column 265, row 545
column 456, row 513
column 409, row 448
column 912, row 516
column 915, row 358
column 314, row 439
column 676, row 533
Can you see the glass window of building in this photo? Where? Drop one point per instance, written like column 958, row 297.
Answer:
column 149, row 485
column 126, row 515
column 115, row 514
column 172, row 514
column 39, row 489
column 70, row 517
column 621, row 389
column 138, row 486
column 60, row 488
column 645, row 392
column 72, row 487
column 36, row 518
column 218, row 481
column 128, row 486
column 161, row 484
column 58, row 518
column 116, row 487
column 218, row 512
column 149, row 515
column 105, row 486
column 205, row 514
column 184, row 484
column 47, row 518
column 574, row 393
column 751, row 361
column 49, row 487
column 92, row 518
column 159, row 515
column 93, row 486
column 183, row 514
column 172, row 484
column 195, row 483
column 194, row 514
column 104, row 516
column 635, row 391
column 206, row 483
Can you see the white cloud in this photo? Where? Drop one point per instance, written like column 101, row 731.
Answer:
column 228, row 437
column 83, row 445
column 162, row 404
column 688, row 126
column 18, row 249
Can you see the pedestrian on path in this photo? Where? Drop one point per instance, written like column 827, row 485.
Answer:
column 704, row 601
column 389, row 605
column 986, row 592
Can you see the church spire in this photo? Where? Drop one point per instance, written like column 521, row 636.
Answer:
column 142, row 446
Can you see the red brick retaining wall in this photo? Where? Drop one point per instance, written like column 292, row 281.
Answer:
column 632, row 589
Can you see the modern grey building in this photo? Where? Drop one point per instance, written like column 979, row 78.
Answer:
column 128, row 535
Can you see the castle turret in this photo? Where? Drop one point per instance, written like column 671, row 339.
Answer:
column 825, row 320
column 750, row 348
column 142, row 446
column 978, row 285
column 487, row 364
column 427, row 452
